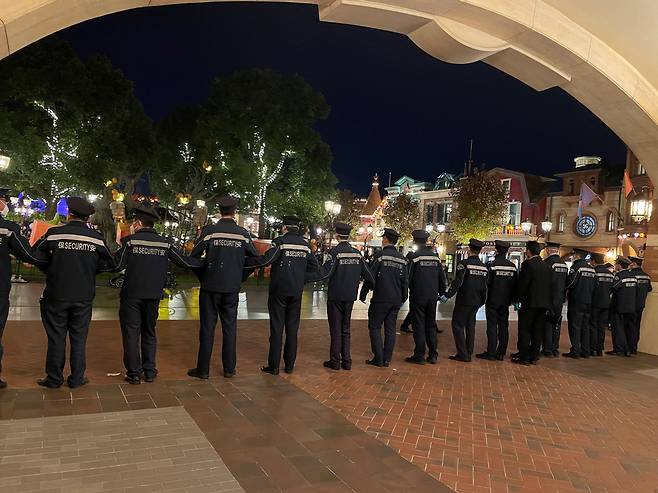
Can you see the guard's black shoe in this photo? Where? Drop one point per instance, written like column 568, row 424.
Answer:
column 571, row 355
column 585, row 356
column 149, row 378
column 270, row 370
column 44, row 382
column 599, row 353
column 547, row 354
column 133, row 380
column 520, row 361
column 627, row 354
column 556, row 353
column 229, row 374
column 456, row 357
column 330, row 365
column 514, row 355
column 406, row 330
column 432, row 360
column 3, row 384
column 289, row 370
column 634, row 351
column 346, row 365
column 500, row 357
column 614, row 353
column 72, row 385
column 413, row 359
column 372, row 362
column 193, row 372
column 485, row 355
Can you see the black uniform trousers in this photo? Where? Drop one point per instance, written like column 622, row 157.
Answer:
column 378, row 314
column 137, row 318
column 463, row 329
column 423, row 314
column 636, row 333
column 339, row 315
column 211, row 306
column 4, row 313
column 579, row 327
column 497, row 329
column 532, row 322
column 598, row 324
column 284, row 315
column 623, row 328
column 406, row 323
column 59, row 319
column 551, row 335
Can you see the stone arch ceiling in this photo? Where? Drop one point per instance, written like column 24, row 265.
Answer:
column 602, row 52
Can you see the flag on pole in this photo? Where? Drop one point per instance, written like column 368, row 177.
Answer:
column 628, row 184
column 587, row 195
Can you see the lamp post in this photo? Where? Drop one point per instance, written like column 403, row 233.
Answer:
column 546, row 227
column 332, row 209
column 4, row 162
column 526, row 227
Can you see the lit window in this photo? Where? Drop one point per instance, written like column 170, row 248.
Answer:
column 514, row 213
column 572, row 185
column 507, row 184
column 639, row 170
column 561, row 220
column 612, row 221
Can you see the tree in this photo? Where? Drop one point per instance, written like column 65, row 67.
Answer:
column 479, row 204
column 403, row 215
column 351, row 208
column 255, row 125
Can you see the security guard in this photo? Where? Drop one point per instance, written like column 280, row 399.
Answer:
column 74, row 254
column 551, row 336
column 145, row 255
column 502, row 292
column 292, row 262
column 581, row 283
column 600, row 305
column 390, row 291
column 643, row 290
column 535, row 298
column 225, row 246
column 470, row 286
column 344, row 269
column 11, row 242
column 426, row 283
column 624, row 306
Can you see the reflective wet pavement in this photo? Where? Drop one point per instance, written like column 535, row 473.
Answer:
column 183, row 304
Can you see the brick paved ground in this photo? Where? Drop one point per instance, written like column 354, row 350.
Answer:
column 562, row 426
column 147, row 451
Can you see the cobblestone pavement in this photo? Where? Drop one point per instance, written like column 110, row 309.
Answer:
column 561, row 426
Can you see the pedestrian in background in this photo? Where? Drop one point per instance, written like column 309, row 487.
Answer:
column 560, row 271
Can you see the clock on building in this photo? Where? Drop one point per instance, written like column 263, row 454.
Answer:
column 586, row 226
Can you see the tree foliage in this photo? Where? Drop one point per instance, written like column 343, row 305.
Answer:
column 351, row 209
column 403, row 215
column 479, row 203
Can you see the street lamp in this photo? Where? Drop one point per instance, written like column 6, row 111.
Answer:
column 440, row 228
column 546, row 226
column 329, row 206
column 526, row 226
column 4, row 162
column 429, row 228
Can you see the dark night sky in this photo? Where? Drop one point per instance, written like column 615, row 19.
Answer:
column 394, row 108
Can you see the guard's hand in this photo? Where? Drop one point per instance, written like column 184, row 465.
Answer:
column 517, row 307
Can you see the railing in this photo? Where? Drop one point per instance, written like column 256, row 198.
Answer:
column 510, row 230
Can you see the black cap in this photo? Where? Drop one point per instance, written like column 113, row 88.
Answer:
column 580, row 251
column 608, row 265
column 598, row 257
column 79, row 206
column 553, row 244
column 534, row 246
column 391, row 235
column 227, row 204
column 420, row 235
column 342, row 229
column 475, row 244
column 623, row 261
column 291, row 221
column 501, row 245
column 637, row 260
column 145, row 214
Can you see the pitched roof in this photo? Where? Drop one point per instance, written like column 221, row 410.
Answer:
column 374, row 199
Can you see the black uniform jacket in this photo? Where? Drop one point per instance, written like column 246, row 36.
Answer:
column 502, row 282
column 643, row 287
column 470, row 284
column 603, row 289
column 292, row 262
column 558, row 282
column 74, row 254
column 389, row 269
column 427, row 280
column 12, row 242
column 535, row 283
column 581, row 283
column 226, row 245
column 145, row 255
column 624, row 292
column 345, row 268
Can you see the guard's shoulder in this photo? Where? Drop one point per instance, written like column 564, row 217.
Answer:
column 6, row 223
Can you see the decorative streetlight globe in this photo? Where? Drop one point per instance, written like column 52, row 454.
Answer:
column 4, row 162
column 369, row 229
column 336, row 208
column 526, row 226
column 440, row 228
column 329, row 206
column 546, row 225
column 429, row 228
column 318, row 231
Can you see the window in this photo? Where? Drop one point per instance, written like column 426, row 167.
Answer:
column 507, row 184
column 592, row 182
column 561, row 220
column 571, row 186
column 514, row 213
column 639, row 169
column 443, row 210
column 611, row 223
column 448, row 213
column 429, row 214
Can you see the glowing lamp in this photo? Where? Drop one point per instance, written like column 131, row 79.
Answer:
column 440, row 228
column 4, row 162
column 429, row 228
column 546, row 225
column 526, row 226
